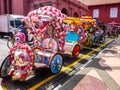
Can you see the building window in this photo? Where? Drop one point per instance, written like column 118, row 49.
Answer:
column 96, row 13
column 64, row 10
column 36, row 6
column 75, row 14
column 113, row 12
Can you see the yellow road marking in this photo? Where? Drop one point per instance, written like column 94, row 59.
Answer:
column 49, row 78
column 42, row 82
column 66, row 68
column 72, row 64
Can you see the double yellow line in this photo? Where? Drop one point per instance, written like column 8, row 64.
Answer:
column 67, row 67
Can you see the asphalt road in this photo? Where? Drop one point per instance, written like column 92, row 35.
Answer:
column 44, row 80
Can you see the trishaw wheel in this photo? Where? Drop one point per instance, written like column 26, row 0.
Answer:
column 56, row 63
column 90, row 44
column 76, row 50
column 102, row 39
column 4, row 69
column 10, row 43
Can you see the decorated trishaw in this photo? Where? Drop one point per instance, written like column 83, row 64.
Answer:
column 77, row 33
column 48, row 30
column 95, row 31
column 56, row 33
column 89, row 25
column 72, row 37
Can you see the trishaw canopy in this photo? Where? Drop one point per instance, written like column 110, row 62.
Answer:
column 49, row 12
column 72, row 20
column 87, row 19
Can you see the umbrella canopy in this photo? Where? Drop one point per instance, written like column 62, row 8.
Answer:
column 113, row 23
column 117, row 26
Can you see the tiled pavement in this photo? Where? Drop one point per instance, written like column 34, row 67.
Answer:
column 103, row 73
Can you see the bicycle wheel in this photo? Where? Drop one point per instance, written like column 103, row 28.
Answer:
column 56, row 63
column 5, row 67
column 10, row 43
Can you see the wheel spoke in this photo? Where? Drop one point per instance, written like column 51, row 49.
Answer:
column 4, row 69
column 56, row 63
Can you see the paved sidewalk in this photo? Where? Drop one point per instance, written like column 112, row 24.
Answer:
column 3, row 49
column 103, row 73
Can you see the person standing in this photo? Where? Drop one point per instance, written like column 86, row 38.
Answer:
column 23, row 28
column 108, row 30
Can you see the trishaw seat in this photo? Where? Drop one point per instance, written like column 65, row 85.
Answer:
column 72, row 36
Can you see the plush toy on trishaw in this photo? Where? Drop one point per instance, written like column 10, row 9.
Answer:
column 46, row 51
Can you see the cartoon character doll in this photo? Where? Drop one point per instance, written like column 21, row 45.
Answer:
column 22, row 59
